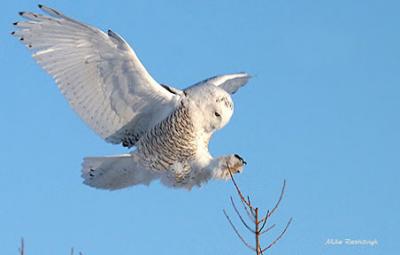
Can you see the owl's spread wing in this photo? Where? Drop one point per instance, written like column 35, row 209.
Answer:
column 98, row 73
column 229, row 82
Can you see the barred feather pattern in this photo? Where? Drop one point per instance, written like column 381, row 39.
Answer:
column 170, row 145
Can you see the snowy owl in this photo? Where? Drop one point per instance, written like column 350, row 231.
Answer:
column 107, row 85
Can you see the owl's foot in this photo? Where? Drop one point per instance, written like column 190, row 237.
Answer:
column 235, row 163
column 228, row 165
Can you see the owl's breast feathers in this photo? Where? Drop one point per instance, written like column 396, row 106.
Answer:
column 170, row 141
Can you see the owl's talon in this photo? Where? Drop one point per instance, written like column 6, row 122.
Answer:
column 234, row 164
column 241, row 159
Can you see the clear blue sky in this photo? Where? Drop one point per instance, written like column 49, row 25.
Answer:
column 322, row 111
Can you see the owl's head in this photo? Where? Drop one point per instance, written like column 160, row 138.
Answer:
column 213, row 106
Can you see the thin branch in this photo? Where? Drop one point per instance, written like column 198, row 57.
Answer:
column 257, row 235
column 264, row 222
column 22, row 247
column 247, row 202
column 237, row 232
column 252, row 213
column 249, row 214
column 241, row 218
column 279, row 237
column 277, row 203
column 268, row 229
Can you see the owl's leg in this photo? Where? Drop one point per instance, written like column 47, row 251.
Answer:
column 177, row 175
column 221, row 166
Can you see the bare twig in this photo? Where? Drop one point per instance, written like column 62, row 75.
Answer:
column 258, row 248
column 268, row 229
column 277, row 203
column 264, row 222
column 253, row 214
column 279, row 237
column 22, row 247
column 240, row 217
column 249, row 214
column 237, row 233
column 247, row 202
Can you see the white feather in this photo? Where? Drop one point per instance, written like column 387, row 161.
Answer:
column 228, row 82
column 115, row 172
column 98, row 73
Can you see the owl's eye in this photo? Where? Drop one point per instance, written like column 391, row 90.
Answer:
column 217, row 114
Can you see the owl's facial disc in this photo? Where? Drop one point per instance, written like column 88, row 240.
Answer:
column 220, row 111
column 212, row 107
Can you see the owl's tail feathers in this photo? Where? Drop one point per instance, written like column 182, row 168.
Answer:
column 115, row 172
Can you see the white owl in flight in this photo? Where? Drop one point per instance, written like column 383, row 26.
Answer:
column 106, row 84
